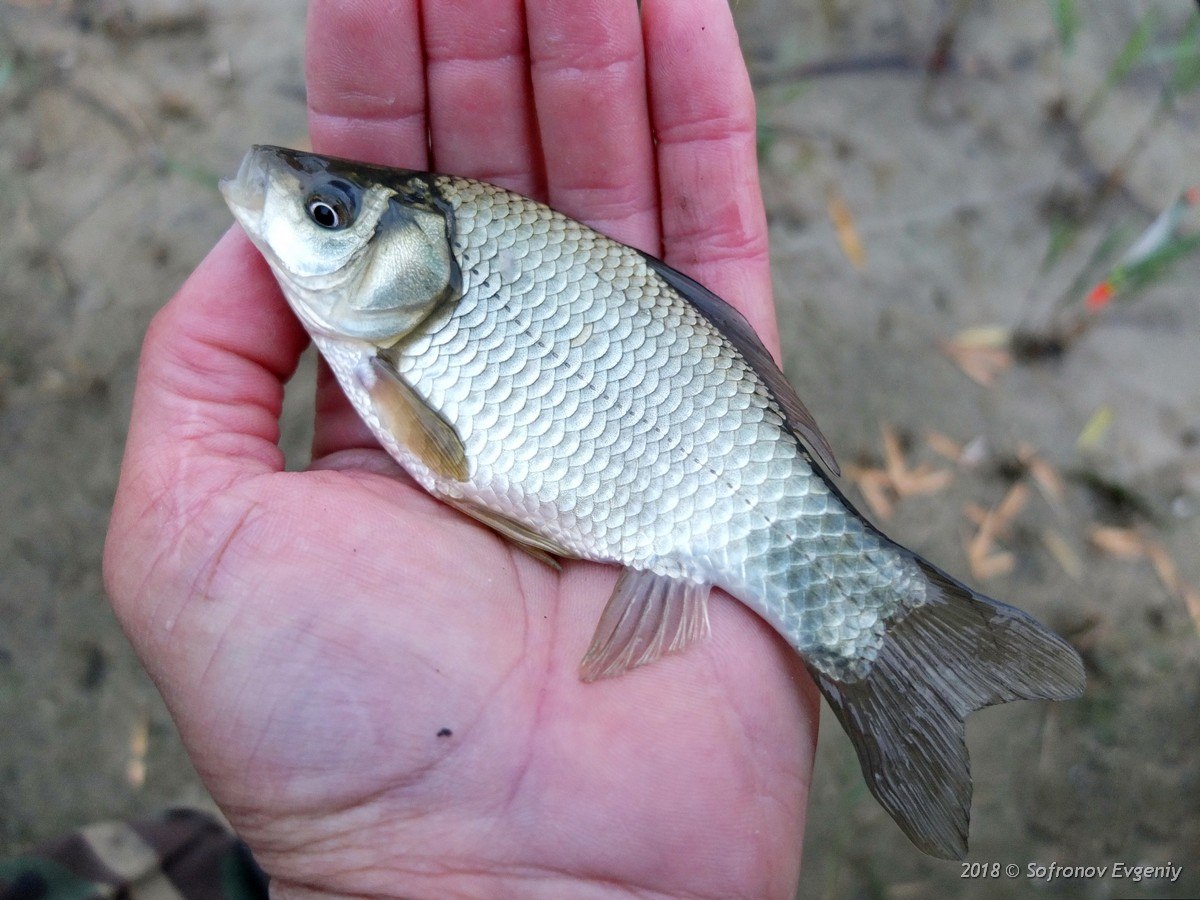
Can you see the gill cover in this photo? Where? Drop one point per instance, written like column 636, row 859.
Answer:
column 408, row 273
column 361, row 252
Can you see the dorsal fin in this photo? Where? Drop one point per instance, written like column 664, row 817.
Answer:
column 734, row 326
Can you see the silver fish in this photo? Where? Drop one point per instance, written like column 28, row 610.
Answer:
column 588, row 401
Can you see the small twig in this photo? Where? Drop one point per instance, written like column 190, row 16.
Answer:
column 853, row 65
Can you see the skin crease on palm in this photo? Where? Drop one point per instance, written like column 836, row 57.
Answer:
column 314, row 632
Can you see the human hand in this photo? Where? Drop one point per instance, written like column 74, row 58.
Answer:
column 382, row 695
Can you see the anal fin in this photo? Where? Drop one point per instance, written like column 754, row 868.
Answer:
column 646, row 616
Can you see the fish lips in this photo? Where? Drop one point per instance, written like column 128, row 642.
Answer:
column 246, row 192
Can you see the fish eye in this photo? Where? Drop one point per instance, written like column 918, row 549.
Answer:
column 332, row 206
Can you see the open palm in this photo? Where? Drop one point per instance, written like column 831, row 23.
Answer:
column 382, row 695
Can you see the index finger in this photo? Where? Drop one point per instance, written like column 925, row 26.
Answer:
column 206, row 405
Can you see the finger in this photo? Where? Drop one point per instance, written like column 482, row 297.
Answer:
column 713, row 223
column 208, row 396
column 211, row 375
column 589, row 88
column 366, row 100
column 366, row 81
column 338, row 426
column 480, row 99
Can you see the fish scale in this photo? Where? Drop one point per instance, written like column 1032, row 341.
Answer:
column 717, row 492
column 586, row 400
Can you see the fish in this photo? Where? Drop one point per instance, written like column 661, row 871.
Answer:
column 587, row 401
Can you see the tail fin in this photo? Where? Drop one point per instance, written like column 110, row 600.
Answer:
column 945, row 659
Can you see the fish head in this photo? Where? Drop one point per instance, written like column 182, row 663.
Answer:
column 361, row 252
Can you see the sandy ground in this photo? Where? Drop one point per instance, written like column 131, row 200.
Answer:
column 952, row 188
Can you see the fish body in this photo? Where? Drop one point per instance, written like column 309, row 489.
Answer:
column 615, row 420
column 588, row 401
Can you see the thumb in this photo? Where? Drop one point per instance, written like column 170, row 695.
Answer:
column 205, row 416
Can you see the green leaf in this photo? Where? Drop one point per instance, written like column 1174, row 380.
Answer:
column 1155, row 266
column 1099, row 261
column 767, row 137
column 1131, row 54
column 193, row 172
column 1135, row 47
column 1063, row 232
column 1066, row 20
column 1185, row 77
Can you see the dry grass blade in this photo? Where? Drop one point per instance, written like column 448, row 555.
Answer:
column 985, row 560
column 985, row 557
column 1044, row 475
column 139, row 743
column 999, row 520
column 881, row 487
column 982, row 354
column 1119, row 543
column 1191, row 599
column 1012, row 504
column 876, row 490
column 843, row 226
column 944, row 446
column 1130, row 545
column 976, row 514
column 1164, row 567
column 906, row 482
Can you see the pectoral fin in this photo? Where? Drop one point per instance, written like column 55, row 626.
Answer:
column 648, row 615
column 416, row 424
column 536, row 545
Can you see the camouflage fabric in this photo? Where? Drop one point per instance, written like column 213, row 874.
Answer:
column 182, row 853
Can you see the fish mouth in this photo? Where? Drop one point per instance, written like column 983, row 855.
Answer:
column 246, row 192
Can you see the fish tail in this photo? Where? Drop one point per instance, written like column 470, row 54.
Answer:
column 955, row 653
